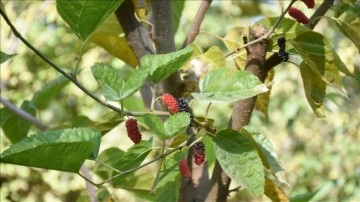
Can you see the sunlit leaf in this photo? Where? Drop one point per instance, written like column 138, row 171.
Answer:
column 317, row 53
column 315, row 89
column 233, row 40
column 111, row 37
column 288, row 28
column 240, row 161
column 263, row 99
column 214, row 57
column 14, row 127
column 162, row 66
column 64, row 150
column 84, row 16
column 225, row 85
column 274, row 192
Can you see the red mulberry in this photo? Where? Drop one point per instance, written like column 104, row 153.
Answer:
column 298, row 15
column 199, row 153
column 171, row 103
column 184, row 107
column 184, row 168
column 309, row 3
column 133, row 130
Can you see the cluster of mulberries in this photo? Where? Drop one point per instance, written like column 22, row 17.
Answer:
column 171, row 103
column 300, row 16
column 282, row 53
column 184, row 168
column 199, row 153
column 133, row 130
column 184, row 107
column 177, row 105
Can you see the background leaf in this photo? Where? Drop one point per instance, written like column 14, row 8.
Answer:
column 274, row 192
column 315, row 89
column 176, row 124
column 4, row 56
column 14, row 127
column 240, row 161
column 263, row 99
column 43, row 149
column 43, row 97
column 156, row 124
column 84, row 16
column 162, row 66
column 233, row 40
column 225, row 85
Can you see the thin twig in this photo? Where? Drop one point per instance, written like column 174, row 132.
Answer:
column 23, row 114
column 267, row 35
column 195, row 26
column 89, row 186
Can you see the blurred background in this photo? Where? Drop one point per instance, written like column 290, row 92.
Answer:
column 320, row 157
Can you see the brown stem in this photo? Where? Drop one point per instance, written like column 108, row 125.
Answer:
column 195, row 26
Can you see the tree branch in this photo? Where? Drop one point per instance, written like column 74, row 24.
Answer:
column 195, row 26
column 164, row 42
column 22, row 114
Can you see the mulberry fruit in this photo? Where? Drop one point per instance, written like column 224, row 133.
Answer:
column 184, row 107
column 199, row 153
column 281, row 42
column 133, row 130
column 171, row 103
column 309, row 3
column 298, row 15
column 283, row 55
column 184, row 168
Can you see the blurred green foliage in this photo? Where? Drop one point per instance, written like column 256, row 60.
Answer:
column 316, row 154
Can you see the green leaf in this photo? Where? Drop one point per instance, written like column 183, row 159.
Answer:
column 263, row 99
column 240, row 161
column 63, row 150
column 42, row 98
column 315, row 89
column 167, row 188
column 317, row 53
column 349, row 24
column 162, row 66
column 84, row 16
column 176, row 124
column 14, row 127
column 122, row 161
column 4, row 57
column 113, row 86
column 304, row 197
column 225, row 85
column 233, row 40
column 156, row 124
column 177, row 9
column 214, row 57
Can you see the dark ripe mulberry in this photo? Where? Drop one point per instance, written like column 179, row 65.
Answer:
column 298, row 15
column 184, row 168
column 171, row 103
column 281, row 42
column 133, row 130
column 283, row 55
column 309, row 3
column 199, row 153
column 184, row 107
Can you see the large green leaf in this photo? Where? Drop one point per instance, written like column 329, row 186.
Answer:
column 168, row 185
column 225, row 85
column 162, row 66
column 84, row 16
column 14, row 127
column 315, row 89
column 43, row 97
column 64, row 150
column 317, row 53
column 4, row 56
column 174, row 125
column 349, row 24
column 240, row 160
column 122, row 161
column 113, row 86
